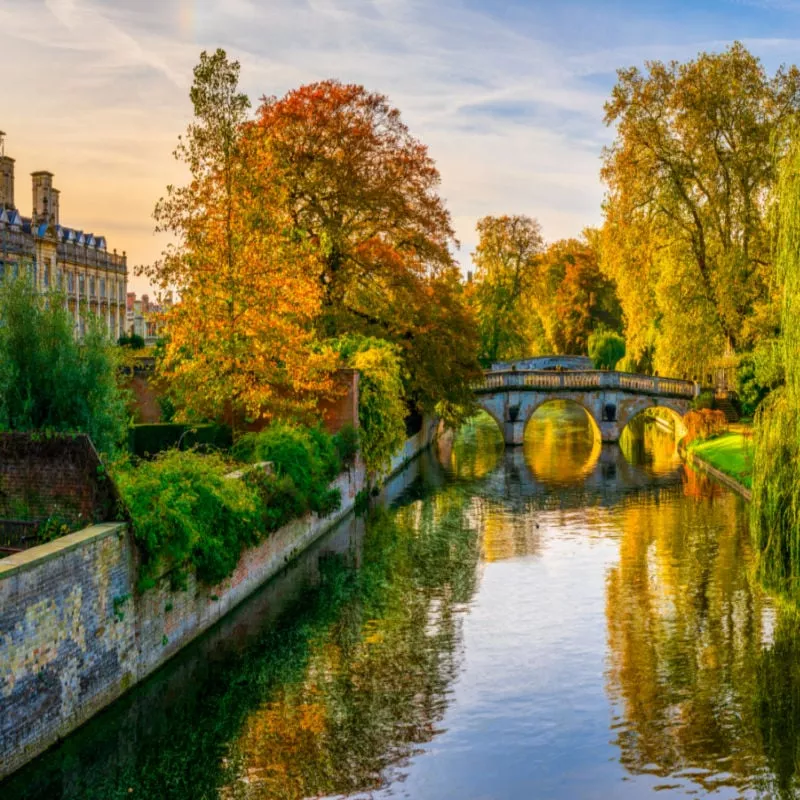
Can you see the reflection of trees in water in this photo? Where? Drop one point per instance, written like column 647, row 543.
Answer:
column 477, row 448
column 645, row 444
column 376, row 680
column 345, row 685
column 561, row 443
column 693, row 686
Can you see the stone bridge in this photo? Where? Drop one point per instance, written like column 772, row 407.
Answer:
column 612, row 399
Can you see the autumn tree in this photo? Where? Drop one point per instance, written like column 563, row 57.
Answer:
column 530, row 299
column 689, row 175
column 361, row 194
column 575, row 298
column 507, row 273
column 240, row 342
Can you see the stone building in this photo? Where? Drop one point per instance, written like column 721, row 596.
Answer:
column 54, row 256
column 144, row 317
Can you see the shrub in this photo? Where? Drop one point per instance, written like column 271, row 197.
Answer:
column 185, row 510
column 704, row 424
column 346, row 443
column 704, row 401
column 148, row 440
column 606, row 349
column 279, row 499
column 306, row 455
column 133, row 341
column 48, row 379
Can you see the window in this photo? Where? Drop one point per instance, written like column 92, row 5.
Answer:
column 70, row 282
column 102, row 288
column 92, row 292
column 82, row 285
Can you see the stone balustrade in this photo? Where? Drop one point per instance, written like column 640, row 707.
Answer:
column 585, row 380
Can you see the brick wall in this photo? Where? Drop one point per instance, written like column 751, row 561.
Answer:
column 343, row 409
column 59, row 474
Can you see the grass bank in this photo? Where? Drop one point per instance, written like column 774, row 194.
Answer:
column 731, row 453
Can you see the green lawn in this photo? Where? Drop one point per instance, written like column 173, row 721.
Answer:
column 730, row 453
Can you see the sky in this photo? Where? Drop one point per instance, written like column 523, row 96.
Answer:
column 507, row 95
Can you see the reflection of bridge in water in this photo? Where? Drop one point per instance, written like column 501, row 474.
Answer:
column 610, row 480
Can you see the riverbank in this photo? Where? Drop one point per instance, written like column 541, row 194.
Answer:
column 75, row 635
column 727, row 457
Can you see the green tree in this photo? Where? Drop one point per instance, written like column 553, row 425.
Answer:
column 606, row 349
column 689, row 176
column 507, row 270
column 48, row 379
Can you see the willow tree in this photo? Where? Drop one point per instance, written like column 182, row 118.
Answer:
column 689, row 177
column 775, row 510
column 240, row 343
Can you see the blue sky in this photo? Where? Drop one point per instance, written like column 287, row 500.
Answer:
column 508, row 95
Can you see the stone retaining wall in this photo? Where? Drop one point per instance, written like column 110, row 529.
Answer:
column 75, row 635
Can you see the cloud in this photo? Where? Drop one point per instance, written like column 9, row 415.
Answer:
column 509, row 97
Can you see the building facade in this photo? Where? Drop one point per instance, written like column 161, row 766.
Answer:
column 144, row 317
column 93, row 280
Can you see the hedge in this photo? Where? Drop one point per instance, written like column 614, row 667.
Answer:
column 149, row 440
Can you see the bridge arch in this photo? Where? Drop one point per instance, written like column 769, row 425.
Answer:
column 539, row 401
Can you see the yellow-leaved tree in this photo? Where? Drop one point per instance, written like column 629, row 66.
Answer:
column 240, row 342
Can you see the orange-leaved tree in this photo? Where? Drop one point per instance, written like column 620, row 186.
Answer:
column 240, row 342
column 361, row 193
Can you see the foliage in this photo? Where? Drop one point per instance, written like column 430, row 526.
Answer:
column 152, row 438
column 279, row 499
column 132, row 341
column 575, row 298
column 704, row 424
column 361, row 194
column 381, row 410
column 185, row 511
column 506, row 263
column 307, row 456
column 48, row 379
column 531, row 300
column 240, row 341
column 347, row 444
column 606, row 349
column 775, row 510
column 704, row 401
column 689, row 176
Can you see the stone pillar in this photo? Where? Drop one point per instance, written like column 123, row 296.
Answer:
column 513, row 420
column 609, row 432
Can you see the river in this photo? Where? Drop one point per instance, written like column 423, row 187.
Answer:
column 563, row 620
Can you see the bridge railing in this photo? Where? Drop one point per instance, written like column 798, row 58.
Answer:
column 585, row 380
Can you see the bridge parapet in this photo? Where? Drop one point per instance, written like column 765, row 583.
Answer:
column 585, row 380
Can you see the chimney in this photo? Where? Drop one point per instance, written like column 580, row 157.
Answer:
column 43, row 197
column 6, row 176
column 54, row 205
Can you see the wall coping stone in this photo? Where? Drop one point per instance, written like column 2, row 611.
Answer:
column 28, row 559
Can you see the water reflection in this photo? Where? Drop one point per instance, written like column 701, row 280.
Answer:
column 561, row 444
column 561, row 620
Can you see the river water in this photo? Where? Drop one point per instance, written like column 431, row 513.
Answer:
column 563, row 620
